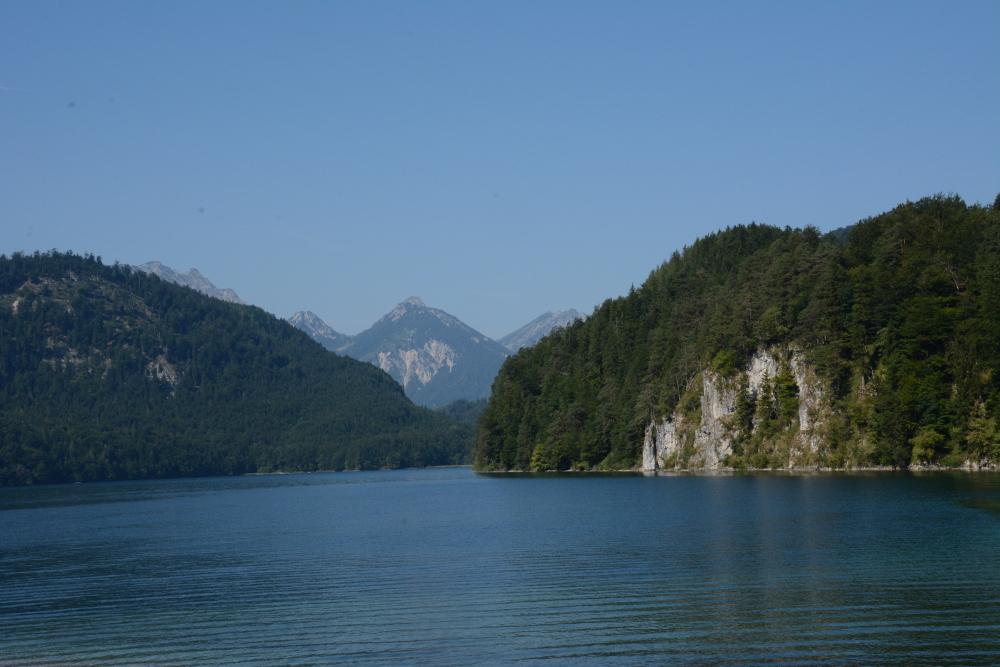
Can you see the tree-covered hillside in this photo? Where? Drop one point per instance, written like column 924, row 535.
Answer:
column 897, row 317
column 107, row 373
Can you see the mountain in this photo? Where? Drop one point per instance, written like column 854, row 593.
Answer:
column 190, row 278
column 434, row 356
column 761, row 347
column 319, row 331
column 108, row 373
column 531, row 332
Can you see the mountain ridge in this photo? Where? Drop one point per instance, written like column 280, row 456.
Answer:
column 108, row 373
column 319, row 330
column 427, row 360
column 541, row 326
column 191, row 278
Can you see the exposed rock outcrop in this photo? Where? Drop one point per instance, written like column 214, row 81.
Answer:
column 704, row 437
column 419, row 364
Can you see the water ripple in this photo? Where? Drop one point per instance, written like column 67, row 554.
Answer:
column 443, row 567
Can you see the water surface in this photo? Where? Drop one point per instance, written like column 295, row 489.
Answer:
column 445, row 567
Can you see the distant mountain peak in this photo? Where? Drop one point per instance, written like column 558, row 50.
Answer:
column 310, row 322
column 404, row 307
column 191, row 278
column 435, row 356
column 534, row 330
column 319, row 330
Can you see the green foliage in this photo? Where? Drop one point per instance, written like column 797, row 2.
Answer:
column 463, row 410
column 898, row 315
column 983, row 437
column 111, row 374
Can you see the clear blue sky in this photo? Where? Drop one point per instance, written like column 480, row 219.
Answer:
column 496, row 159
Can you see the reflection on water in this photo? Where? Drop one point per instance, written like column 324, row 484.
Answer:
column 444, row 567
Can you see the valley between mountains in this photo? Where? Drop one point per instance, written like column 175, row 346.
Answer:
column 437, row 358
column 877, row 344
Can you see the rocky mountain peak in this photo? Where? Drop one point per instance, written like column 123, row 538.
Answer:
column 403, row 307
column 319, row 330
column 310, row 322
column 191, row 278
column 435, row 357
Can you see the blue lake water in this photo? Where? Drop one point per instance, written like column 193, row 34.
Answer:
column 445, row 567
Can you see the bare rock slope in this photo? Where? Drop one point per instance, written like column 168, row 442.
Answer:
column 708, row 434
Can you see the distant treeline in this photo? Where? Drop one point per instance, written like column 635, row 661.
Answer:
column 463, row 410
column 107, row 373
column 898, row 314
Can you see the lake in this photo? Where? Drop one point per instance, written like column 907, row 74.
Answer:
column 446, row 567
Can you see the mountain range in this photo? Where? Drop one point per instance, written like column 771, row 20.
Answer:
column 435, row 357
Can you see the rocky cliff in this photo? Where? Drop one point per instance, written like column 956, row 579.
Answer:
column 740, row 420
column 721, row 347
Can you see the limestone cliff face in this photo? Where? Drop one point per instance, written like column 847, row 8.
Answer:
column 700, row 440
column 704, row 438
column 420, row 365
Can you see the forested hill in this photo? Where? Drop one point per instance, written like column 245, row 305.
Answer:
column 108, row 373
column 766, row 347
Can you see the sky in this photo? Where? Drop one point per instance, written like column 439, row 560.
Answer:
column 496, row 159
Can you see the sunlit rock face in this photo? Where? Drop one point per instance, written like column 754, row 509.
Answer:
column 437, row 358
column 191, row 278
column 689, row 441
column 704, row 438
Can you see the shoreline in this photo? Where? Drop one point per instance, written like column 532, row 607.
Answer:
column 992, row 468
column 312, row 472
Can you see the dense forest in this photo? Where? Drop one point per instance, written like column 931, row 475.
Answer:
column 108, row 373
column 463, row 410
column 898, row 318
